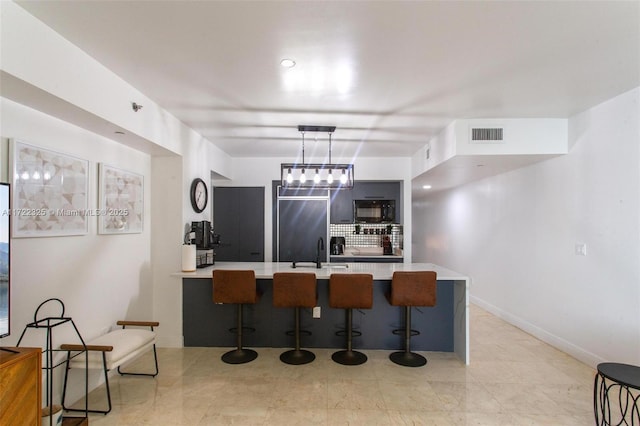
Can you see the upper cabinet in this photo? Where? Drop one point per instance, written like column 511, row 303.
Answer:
column 342, row 200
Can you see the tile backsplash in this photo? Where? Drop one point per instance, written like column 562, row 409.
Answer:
column 370, row 234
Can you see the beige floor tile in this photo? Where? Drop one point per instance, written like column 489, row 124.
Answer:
column 419, row 418
column 307, row 394
column 296, row 417
column 355, row 395
column 410, row 396
column 350, row 417
column 513, row 379
column 523, row 399
column 465, row 397
column 482, row 419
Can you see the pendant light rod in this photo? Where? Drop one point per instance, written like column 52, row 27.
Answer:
column 329, row 148
column 302, row 147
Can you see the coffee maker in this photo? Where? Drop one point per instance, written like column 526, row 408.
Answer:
column 204, row 240
column 337, row 245
column 203, row 235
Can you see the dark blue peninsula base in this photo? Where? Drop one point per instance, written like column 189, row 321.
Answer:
column 207, row 324
column 442, row 328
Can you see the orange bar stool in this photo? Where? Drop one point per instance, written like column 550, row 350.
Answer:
column 295, row 290
column 350, row 291
column 238, row 287
column 411, row 289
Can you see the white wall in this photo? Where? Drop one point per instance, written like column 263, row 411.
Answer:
column 515, row 234
column 100, row 278
column 109, row 271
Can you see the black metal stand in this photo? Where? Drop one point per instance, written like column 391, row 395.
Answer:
column 239, row 355
column 48, row 324
column 617, row 380
column 297, row 356
column 407, row 358
column 349, row 356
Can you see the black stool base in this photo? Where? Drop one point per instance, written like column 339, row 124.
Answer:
column 408, row 359
column 297, row 357
column 349, row 357
column 239, row 356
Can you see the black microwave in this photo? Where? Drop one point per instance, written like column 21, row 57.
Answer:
column 374, row 211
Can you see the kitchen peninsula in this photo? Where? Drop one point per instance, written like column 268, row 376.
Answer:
column 444, row 327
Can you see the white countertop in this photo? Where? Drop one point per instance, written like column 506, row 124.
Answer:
column 380, row 271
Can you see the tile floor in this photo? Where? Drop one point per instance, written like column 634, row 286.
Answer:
column 514, row 379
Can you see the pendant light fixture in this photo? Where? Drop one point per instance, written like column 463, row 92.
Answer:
column 316, row 175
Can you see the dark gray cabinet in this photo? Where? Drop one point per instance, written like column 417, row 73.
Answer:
column 301, row 223
column 238, row 216
column 342, row 206
column 342, row 200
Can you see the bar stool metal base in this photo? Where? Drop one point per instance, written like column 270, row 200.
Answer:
column 408, row 359
column 239, row 356
column 297, row 357
column 349, row 357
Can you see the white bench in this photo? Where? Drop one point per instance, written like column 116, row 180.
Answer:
column 110, row 351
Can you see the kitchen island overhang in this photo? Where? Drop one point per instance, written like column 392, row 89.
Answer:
column 444, row 328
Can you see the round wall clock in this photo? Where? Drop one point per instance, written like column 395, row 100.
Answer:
column 199, row 195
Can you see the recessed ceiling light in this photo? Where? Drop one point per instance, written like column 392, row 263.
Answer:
column 288, row 63
column 118, row 132
column 426, row 186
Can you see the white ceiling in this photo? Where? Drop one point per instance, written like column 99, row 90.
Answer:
column 388, row 74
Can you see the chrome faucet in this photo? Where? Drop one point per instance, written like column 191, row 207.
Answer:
column 319, row 246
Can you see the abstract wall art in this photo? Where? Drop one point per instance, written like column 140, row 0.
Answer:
column 50, row 192
column 121, row 209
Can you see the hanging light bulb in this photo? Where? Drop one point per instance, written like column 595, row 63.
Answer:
column 330, row 177
column 303, row 178
column 289, row 177
column 343, row 178
column 316, row 178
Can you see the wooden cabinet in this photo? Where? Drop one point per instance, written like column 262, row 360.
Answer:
column 20, row 382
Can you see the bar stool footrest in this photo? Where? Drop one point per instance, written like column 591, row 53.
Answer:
column 400, row 332
column 302, row 333
column 354, row 333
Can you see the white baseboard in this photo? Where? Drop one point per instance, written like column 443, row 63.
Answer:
column 559, row 343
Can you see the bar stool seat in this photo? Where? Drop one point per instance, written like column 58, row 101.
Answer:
column 237, row 287
column 295, row 290
column 350, row 291
column 409, row 289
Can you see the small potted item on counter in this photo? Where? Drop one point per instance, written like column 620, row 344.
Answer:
column 357, row 229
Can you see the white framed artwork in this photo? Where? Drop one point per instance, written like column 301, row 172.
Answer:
column 121, row 206
column 50, row 192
